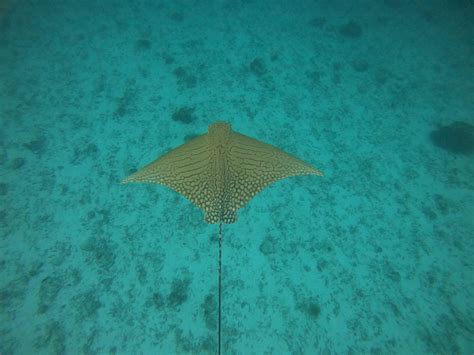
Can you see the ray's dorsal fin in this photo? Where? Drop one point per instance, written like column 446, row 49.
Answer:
column 221, row 171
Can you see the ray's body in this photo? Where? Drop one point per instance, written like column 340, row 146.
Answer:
column 220, row 172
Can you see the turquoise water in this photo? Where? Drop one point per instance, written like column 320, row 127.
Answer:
column 376, row 257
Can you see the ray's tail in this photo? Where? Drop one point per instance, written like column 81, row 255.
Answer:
column 220, row 291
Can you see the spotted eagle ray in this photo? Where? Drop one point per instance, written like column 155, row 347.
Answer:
column 220, row 172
